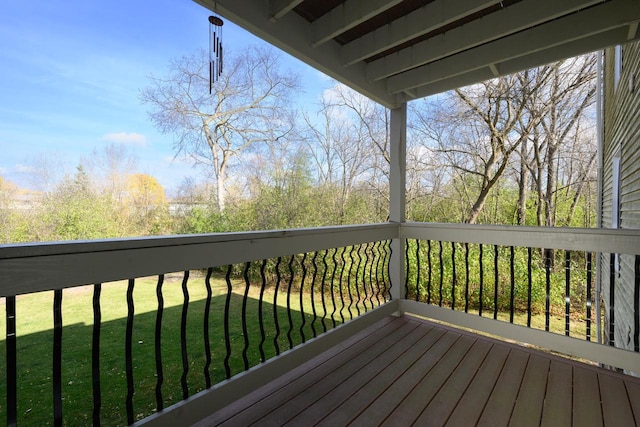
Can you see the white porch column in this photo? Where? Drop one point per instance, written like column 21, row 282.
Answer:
column 397, row 178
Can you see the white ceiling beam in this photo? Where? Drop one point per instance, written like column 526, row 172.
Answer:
column 491, row 27
column 578, row 47
column 281, row 7
column 291, row 34
column 598, row 19
column 346, row 16
column 428, row 18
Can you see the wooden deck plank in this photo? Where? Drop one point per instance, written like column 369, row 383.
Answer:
column 446, row 399
column 587, row 410
column 275, row 395
column 302, row 397
column 406, row 370
column 633, row 389
column 414, row 402
column 616, row 409
column 470, row 406
column 528, row 407
column 320, row 405
column 498, row 409
column 556, row 410
column 393, row 395
column 357, row 402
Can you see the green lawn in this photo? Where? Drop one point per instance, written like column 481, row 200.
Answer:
column 35, row 336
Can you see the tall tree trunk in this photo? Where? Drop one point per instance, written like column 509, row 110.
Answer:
column 523, row 185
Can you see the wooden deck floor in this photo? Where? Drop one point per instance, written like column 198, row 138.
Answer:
column 405, row 371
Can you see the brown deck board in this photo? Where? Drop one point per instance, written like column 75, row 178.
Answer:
column 298, row 398
column 616, row 408
column 633, row 389
column 405, row 371
column 557, row 404
column 357, row 402
column 443, row 403
column 272, row 397
column 412, row 405
column 587, row 410
column 498, row 409
column 528, row 407
column 321, row 404
column 391, row 397
column 469, row 408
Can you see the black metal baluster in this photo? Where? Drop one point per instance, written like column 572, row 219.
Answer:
column 368, row 296
column 245, row 330
column 95, row 354
column 547, row 304
column 371, row 272
column 481, row 276
column 128, row 350
column 158, row 344
column 407, row 269
column 11, row 361
column 263, row 335
column 333, row 275
column 636, row 306
column 57, row 357
column 529, row 285
column 612, row 289
column 567, row 291
column 495, row 282
column 429, row 275
column 417, row 270
column 466, row 278
column 441, row 273
column 275, row 307
column 387, row 257
column 183, row 336
column 303, row 319
column 369, row 262
column 323, row 290
column 513, row 285
column 349, row 288
column 453, row 275
column 314, row 276
column 589, row 299
column 205, row 329
column 289, row 287
column 342, row 269
column 356, row 252
column 227, row 334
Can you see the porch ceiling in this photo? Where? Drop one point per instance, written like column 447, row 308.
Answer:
column 397, row 50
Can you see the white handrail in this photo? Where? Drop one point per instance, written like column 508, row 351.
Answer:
column 26, row 268
column 623, row 241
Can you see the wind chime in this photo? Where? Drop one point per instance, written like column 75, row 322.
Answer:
column 215, row 50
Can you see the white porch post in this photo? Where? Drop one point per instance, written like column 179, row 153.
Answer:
column 397, row 177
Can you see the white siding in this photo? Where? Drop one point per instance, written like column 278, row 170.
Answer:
column 622, row 135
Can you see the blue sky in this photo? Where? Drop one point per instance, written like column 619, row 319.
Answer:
column 72, row 71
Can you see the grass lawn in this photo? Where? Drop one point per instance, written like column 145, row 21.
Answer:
column 34, row 320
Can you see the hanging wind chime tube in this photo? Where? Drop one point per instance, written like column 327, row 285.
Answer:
column 215, row 50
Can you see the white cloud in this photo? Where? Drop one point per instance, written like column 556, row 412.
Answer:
column 22, row 168
column 127, row 138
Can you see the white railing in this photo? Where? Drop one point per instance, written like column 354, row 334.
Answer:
column 594, row 241
column 29, row 268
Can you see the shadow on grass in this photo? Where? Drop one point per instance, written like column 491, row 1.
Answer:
column 34, row 360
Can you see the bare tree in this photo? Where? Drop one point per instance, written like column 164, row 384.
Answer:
column 483, row 127
column 341, row 147
column 250, row 104
column 561, row 107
